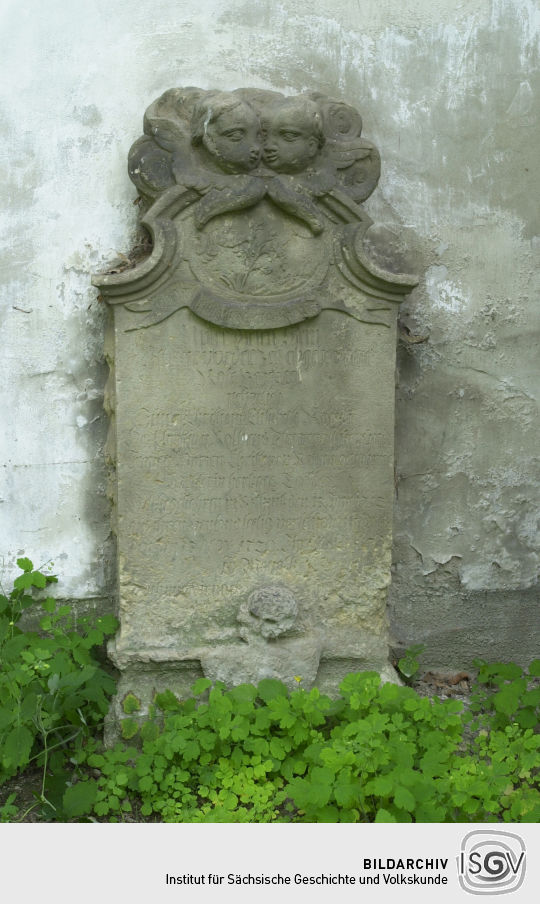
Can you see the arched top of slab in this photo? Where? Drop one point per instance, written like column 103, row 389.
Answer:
column 252, row 201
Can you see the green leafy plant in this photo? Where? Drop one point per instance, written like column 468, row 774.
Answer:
column 53, row 692
column 505, row 694
column 8, row 810
column 408, row 664
column 380, row 753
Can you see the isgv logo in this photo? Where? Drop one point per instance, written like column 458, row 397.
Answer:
column 491, row 862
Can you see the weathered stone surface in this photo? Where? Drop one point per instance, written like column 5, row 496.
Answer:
column 447, row 92
column 253, row 371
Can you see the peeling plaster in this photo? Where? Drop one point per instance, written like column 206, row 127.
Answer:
column 447, row 91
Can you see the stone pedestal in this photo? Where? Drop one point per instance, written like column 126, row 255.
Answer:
column 252, row 396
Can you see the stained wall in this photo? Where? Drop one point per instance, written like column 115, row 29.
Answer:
column 449, row 93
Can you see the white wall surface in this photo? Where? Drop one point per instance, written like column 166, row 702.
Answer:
column 449, row 92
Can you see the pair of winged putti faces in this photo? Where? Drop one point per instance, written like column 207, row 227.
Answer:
column 287, row 137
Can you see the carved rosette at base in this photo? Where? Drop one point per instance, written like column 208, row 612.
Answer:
column 253, row 365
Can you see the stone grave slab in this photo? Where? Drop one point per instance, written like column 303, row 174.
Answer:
column 251, row 395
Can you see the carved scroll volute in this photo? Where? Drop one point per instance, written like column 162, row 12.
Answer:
column 252, row 199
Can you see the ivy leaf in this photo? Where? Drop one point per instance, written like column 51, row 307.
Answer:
column 534, row 668
column 79, row 799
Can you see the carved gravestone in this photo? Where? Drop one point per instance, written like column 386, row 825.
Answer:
column 252, row 398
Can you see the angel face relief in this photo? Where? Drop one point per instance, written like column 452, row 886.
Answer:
column 229, row 130
column 292, row 135
column 254, row 243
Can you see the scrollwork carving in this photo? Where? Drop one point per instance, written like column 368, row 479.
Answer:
column 253, row 200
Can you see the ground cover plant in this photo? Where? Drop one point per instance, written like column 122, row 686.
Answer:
column 53, row 692
column 379, row 753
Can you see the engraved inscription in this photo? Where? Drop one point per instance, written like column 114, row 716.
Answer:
column 266, row 455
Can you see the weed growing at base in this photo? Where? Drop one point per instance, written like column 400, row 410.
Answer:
column 53, row 693
column 379, row 753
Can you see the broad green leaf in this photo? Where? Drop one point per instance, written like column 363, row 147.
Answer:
column 244, row 693
column 107, row 623
column 79, row 799
column 24, row 581
column 508, row 698
column 94, row 637
column 38, row 579
column 149, row 731
column 279, row 747
column 347, row 793
column 534, row 668
column 532, row 697
column 17, row 747
column 102, row 808
column 527, row 718
column 25, row 564
column 96, row 760
column 29, row 704
column 131, row 704
column 207, row 739
column 7, row 717
column 129, row 728
column 200, row 686
column 270, row 688
column 167, row 701
column 381, row 785
column 383, row 815
column 404, row 799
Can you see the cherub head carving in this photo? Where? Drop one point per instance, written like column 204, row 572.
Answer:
column 229, row 129
column 198, row 139
column 292, row 134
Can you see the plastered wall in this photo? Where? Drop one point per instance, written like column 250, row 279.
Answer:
column 450, row 94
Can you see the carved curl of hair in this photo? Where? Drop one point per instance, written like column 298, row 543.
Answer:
column 302, row 107
column 209, row 109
